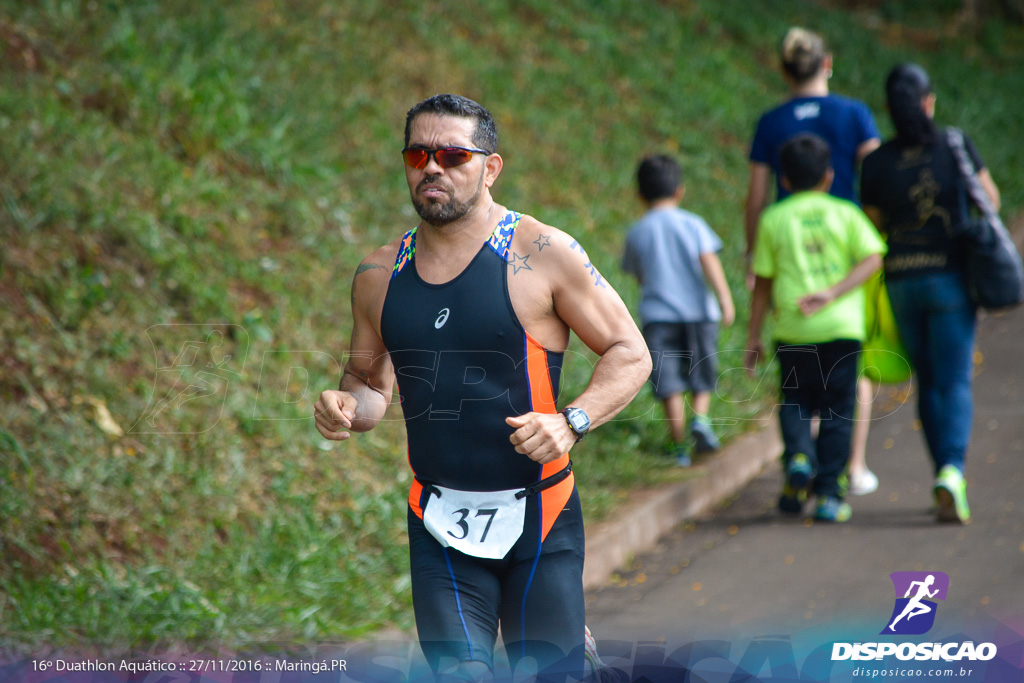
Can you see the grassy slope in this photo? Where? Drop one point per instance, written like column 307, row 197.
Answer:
column 175, row 169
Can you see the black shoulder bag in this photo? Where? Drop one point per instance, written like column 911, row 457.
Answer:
column 995, row 274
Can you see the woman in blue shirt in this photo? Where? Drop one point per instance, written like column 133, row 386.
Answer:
column 845, row 124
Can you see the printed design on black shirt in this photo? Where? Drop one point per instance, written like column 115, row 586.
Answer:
column 923, row 194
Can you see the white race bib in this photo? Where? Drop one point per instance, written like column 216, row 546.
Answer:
column 479, row 523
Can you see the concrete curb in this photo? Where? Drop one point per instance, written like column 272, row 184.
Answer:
column 639, row 525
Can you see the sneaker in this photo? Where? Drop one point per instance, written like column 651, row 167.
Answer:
column 862, row 483
column 592, row 664
column 832, row 509
column 799, row 471
column 704, row 438
column 794, row 491
column 682, row 456
column 951, row 496
column 843, row 482
column 792, row 500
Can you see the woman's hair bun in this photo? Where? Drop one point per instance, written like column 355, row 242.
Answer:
column 802, row 53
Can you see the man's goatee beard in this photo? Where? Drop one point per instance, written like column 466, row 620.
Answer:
column 440, row 215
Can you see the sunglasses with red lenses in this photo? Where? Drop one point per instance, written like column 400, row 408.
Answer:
column 446, row 157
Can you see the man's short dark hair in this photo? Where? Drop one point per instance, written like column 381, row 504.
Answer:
column 485, row 135
column 658, row 177
column 805, row 159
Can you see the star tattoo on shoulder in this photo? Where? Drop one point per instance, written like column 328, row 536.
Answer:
column 542, row 241
column 519, row 263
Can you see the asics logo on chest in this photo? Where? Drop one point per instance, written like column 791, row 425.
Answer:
column 442, row 318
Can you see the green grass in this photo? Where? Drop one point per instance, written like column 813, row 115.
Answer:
column 211, row 172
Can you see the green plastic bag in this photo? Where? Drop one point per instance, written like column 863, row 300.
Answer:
column 883, row 357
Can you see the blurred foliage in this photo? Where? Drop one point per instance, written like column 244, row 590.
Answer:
column 186, row 189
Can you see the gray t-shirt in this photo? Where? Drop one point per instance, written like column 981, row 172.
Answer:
column 663, row 251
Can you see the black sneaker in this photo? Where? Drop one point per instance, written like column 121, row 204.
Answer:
column 794, row 490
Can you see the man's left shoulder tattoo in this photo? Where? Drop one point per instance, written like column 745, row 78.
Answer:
column 598, row 280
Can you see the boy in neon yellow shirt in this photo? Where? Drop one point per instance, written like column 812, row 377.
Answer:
column 813, row 253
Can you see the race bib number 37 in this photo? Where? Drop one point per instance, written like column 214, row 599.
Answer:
column 479, row 523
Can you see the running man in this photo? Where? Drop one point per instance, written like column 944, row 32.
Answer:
column 915, row 607
column 471, row 311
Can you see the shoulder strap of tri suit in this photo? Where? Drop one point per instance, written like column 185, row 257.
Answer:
column 406, row 252
column 501, row 239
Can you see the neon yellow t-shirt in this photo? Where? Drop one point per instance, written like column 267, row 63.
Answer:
column 806, row 243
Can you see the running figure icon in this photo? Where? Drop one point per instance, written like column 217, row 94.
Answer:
column 915, row 606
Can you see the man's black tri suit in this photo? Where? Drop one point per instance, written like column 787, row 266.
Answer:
column 463, row 364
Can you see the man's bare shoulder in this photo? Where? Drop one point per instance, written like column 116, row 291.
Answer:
column 370, row 281
column 380, row 262
column 534, row 237
column 549, row 249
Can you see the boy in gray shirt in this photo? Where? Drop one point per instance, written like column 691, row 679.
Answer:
column 673, row 254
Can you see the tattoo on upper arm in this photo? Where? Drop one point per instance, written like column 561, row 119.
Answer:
column 363, row 267
column 598, row 280
column 542, row 241
column 519, row 263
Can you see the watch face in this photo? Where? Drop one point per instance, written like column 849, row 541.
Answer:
column 578, row 420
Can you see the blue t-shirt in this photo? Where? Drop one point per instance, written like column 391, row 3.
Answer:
column 663, row 251
column 842, row 122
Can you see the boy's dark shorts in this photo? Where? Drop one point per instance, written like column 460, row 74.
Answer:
column 684, row 356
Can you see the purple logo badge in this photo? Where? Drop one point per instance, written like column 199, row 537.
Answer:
column 914, row 611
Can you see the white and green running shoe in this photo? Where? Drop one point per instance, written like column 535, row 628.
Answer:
column 594, row 670
column 832, row 509
column 592, row 663
column 951, row 496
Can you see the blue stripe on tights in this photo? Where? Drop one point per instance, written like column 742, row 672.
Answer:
column 529, row 582
column 458, row 603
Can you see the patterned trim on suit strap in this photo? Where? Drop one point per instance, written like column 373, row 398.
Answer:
column 406, row 252
column 501, row 239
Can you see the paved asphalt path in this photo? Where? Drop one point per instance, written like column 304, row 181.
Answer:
column 745, row 571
